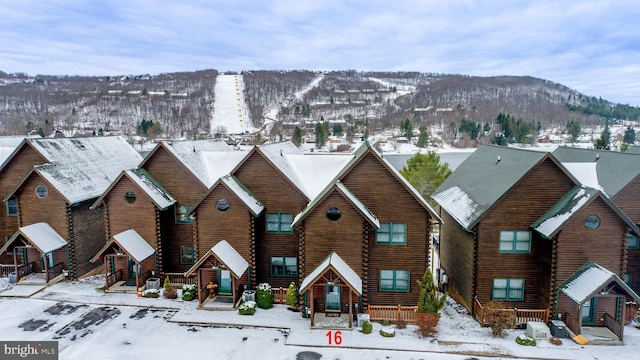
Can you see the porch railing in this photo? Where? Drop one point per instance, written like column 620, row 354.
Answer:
column 26, row 269
column 279, row 295
column 613, row 325
column 520, row 316
column 114, row 277
column 5, row 270
column 571, row 323
column 54, row 271
column 392, row 313
column 178, row 279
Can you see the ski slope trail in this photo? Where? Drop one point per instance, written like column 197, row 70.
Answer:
column 230, row 113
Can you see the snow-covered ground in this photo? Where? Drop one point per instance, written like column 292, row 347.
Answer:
column 230, row 110
column 88, row 323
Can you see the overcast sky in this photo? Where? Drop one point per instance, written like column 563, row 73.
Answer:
column 592, row 46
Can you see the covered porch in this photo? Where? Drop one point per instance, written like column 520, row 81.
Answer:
column 330, row 291
column 38, row 249
column 592, row 303
column 128, row 262
column 221, row 277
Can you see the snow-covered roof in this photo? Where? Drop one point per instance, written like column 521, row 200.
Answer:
column 131, row 243
column 482, row 179
column 345, row 272
column 585, row 172
column 220, row 163
column 549, row 223
column 275, row 153
column 317, row 171
column 193, row 155
column 615, row 169
column 368, row 214
column 42, row 236
column 243, row 194
column 8, row 145
column 227, row 255
column 590, row 279
column 155, row 191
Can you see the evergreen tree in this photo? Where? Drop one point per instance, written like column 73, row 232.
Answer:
column 426, row 173
column 321, row 136
column 574, row 129
column 603, row 142
column 428, row 301
column 423, row 139
column 337, row 130
column 297, row 136
column 40, row 132
column 292, row 296
column 406, row 128
column 469, row 127
column 629, row 136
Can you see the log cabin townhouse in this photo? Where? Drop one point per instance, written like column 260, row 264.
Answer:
column 520, row 228
column 54, row 231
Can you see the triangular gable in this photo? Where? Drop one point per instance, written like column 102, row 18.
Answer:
column 227, row 255
column 34, row 171
column 149, row 186
column 8, row 147
column 348, row 195
column 485, row 177
column 42, row 236
column 365, row 149
column 333, row 262
column 553, row 220
column 234, row 185
column 131, row 243
column 590, row 279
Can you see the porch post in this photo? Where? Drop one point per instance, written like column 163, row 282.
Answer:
column 199, row 287
column 106, row 272
column 350, row 306
column 137, row 271
column 312, row 310
column 46, row 267
column 15, row 262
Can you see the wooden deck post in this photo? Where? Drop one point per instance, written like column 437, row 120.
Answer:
column 350, row 307
column 312, row 310
column 106, row 273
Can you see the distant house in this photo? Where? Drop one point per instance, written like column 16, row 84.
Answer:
column 60, row 192
column 518, row 224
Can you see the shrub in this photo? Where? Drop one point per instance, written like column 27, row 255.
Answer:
column 401, row 324
column 388, row 331
column 167, row 283
column 426, row 323
column 367, row 327
column 292, row 296
column 247, row 308
column 498, row 318
column 170, row 293
column 264, row 296
column 151, row 293
column 555, row 341
column 525, row 340
column 188, row 292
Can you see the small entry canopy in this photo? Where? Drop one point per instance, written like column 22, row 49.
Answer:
column 335, row 262
column 227, row 255
column 130, row 243
column 591, row 279
column 40, row 235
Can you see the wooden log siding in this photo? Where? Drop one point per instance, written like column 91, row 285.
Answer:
column 457, row 257
column 278, row 196
column 141, row 215
column 87, row 229
column 517, row 210
column 390, row 201
column 234, row 225
column 576, row 245
column 11, row 174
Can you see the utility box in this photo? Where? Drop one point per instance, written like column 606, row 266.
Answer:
column 249, row 295
column 537, row 330
column 362, row 318
column 558, row 328
column 12, row 278
column 153, row 284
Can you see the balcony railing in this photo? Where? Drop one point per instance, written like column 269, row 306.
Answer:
column 520, row 316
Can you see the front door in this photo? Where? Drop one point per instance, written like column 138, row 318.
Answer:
column 133, row 267
column 224, row 287
column 589, row 312
column 332, row 298
column 48, row 258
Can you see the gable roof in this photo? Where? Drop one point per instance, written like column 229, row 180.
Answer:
column 614, row 169
column 193, row 155
column 276, row 155
column 484, row 178
column 342, row 189
column 8, row 144
column 365, row 149
column 335, row 262
column 317, row 171
column 224, row 252
column 590, row 279
column 234, row 185
column 131, row 243
column 42, row 236
column 577, row 198
column 149, row 186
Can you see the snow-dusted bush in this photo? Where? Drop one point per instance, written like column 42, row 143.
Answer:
column 247, row 308
column 388, row 331
column 151, row 293
column 525, row 340
column 367, row 327
column 264, row 296
column 292, row 296
column 188, row 292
